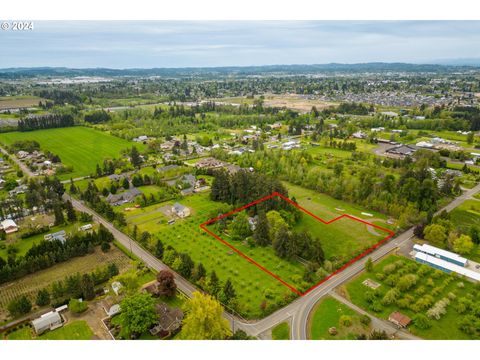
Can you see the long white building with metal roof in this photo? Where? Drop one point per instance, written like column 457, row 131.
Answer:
column 446, row 266
column 441, row 254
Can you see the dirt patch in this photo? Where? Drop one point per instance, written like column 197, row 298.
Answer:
column 296, row 102
column 13, row 103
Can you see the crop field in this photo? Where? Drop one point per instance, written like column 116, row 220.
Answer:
column 431, row 286
column 80, row 147
column 328, row 313
column 30, row 284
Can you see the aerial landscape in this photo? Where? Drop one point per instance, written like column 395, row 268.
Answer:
column 331, row 201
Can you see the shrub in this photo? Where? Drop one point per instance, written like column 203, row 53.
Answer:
column 422, row 322
column 345, row 320
column 76, row 306
column 365, row 319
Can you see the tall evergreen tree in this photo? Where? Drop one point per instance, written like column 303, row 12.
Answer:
column 262, row 230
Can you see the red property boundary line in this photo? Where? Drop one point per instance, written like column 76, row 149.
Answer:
column 203, row 226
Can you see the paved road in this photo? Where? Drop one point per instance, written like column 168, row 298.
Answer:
column 20, row 164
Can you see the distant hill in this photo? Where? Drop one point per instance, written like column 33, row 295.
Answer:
column 237, row 70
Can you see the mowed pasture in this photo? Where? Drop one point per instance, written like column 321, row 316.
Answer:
column 29, row 285
column 80, row 147
column 342, row 239
column 252, row 285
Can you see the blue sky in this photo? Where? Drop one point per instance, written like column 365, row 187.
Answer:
column 116, row 44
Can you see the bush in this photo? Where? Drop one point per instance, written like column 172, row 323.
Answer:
column 20, row 306
column 76, row 306
column 365, row 319
column 422, row 322
column 105, row 246
column 345, row 320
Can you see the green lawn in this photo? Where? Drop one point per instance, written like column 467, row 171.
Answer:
column 432, row 282
column 327, row 314
column 75, row 330
column 80, row 147
column 281, row 332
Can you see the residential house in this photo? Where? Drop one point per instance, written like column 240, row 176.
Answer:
column 180, row 210
column 124, row 197
column 9, row 226
column 399, row 319
column 116, row 287
column 402, row 150
column 48, row 321
column 169, row 320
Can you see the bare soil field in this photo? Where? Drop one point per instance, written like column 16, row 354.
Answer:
column 12, row 102
column 296, row 102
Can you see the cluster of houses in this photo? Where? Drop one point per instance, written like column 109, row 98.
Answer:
column 37, row 159
column 211, row 163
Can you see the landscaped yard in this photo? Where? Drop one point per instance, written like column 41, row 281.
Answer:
column 328, row 313
column 75, row 330
column 426, row 287
column 80, row 147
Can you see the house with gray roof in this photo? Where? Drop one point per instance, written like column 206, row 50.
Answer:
column 180, row 210
column 48, row 321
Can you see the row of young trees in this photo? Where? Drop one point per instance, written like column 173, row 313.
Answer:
column 73, row 286
column 48, row 253
column 49, row 121
column 185, row 266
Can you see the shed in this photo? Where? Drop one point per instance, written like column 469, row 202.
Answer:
column 399, row 319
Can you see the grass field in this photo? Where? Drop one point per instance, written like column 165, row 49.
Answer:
column 30, row 284
column 465, row 216
column 433, row 283
column 281, row 332
column 327, row 314
column 80, row 147
column 75, row 330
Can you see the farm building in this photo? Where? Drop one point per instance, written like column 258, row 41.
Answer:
column 441, row 254
column 399, row 319
column 446, row 266
column 9, row 226
column 180, row 210
column 48, row 321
